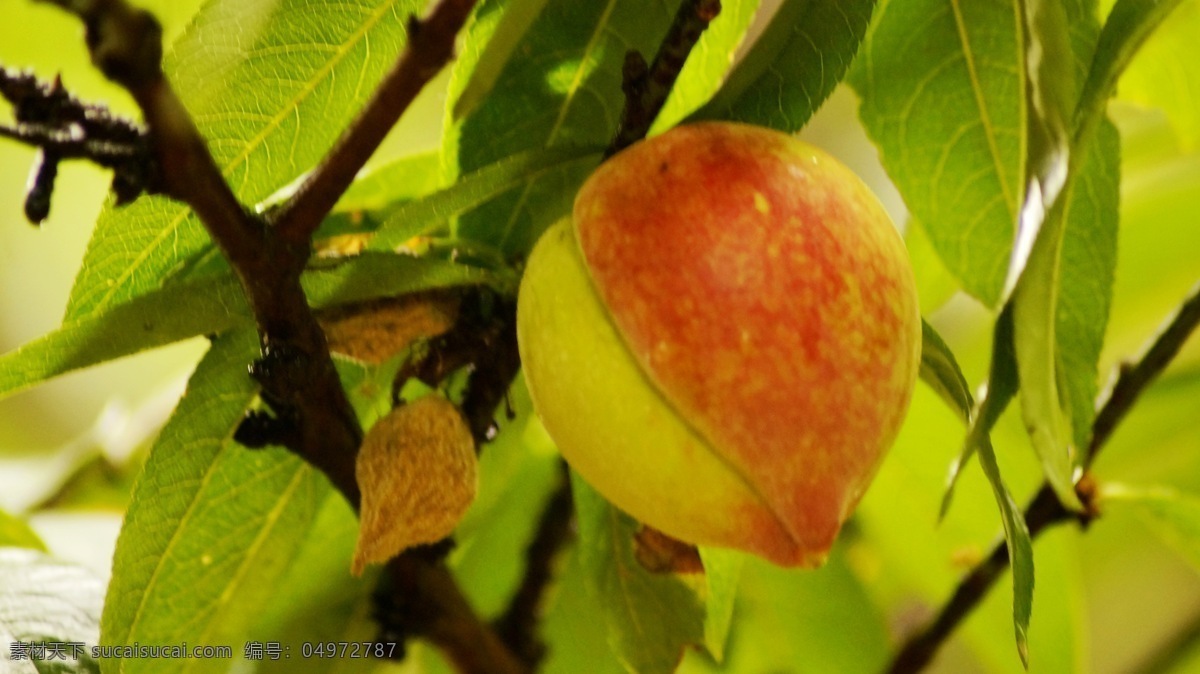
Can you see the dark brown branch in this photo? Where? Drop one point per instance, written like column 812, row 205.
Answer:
column 430, row 47
column 296, row 372
column 493, row 375
column 484, row 337
column 420, row 597
column 518, row 625
column 63, row 128
column 1044, row 510
column 68, row 145
column 647, row 87
column 49, row 117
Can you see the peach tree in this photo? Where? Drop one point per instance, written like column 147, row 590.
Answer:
column 356, row 468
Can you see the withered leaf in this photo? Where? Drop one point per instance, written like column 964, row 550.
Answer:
column 418, row 473
column 375, row 331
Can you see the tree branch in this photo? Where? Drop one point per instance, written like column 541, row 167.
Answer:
column 430, row 48
column 484, row 337
column 1132, row 380
column 296, row 372
column 419, row 597
column 1045, row 510
column 647, row 87
column 62, row 127
column 297, row 375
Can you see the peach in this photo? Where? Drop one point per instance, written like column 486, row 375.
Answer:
column 724, row 338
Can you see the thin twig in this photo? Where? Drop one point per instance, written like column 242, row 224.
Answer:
column 1132, row 380
column 647, row 87
column 489, row 382
column 71, row 145
column 1044, row 510
column 63, row 128
column 430, row 47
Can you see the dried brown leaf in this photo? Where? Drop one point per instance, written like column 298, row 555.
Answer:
column 375, row 331
column 418, row 473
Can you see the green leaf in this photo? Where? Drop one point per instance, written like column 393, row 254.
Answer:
column 401, row 179
column 1127, row 28
column 1059, row 312
column 494, row 31
column 904, row 561
column 1003, row 384
column 1174, row 515
column 942, row 97
column 422, row 216
column 43, row 601
column 561, row 87
column 15, row 532
column 1049, row 86
column 935, row 284
column 818, row 620
column 1164, row 73
column 1020, row 548
column 940, row 372
column 722, row 575
column 174, row 313
column 794, row 65
column 270, row 97
column 371, row 275
column 209, row 305
column 212, row 526
column 651, row 618
column 302, row 611
column 1089, row 247
column 961, row 163
column 702, row 74
column 577, row 641
column 1061, row 301
column 1085, row 293
column 1034, row 339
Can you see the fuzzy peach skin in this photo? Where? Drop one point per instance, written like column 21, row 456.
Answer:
column 726, row 341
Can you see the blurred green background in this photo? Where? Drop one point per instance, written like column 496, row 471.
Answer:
column 1112, row 599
